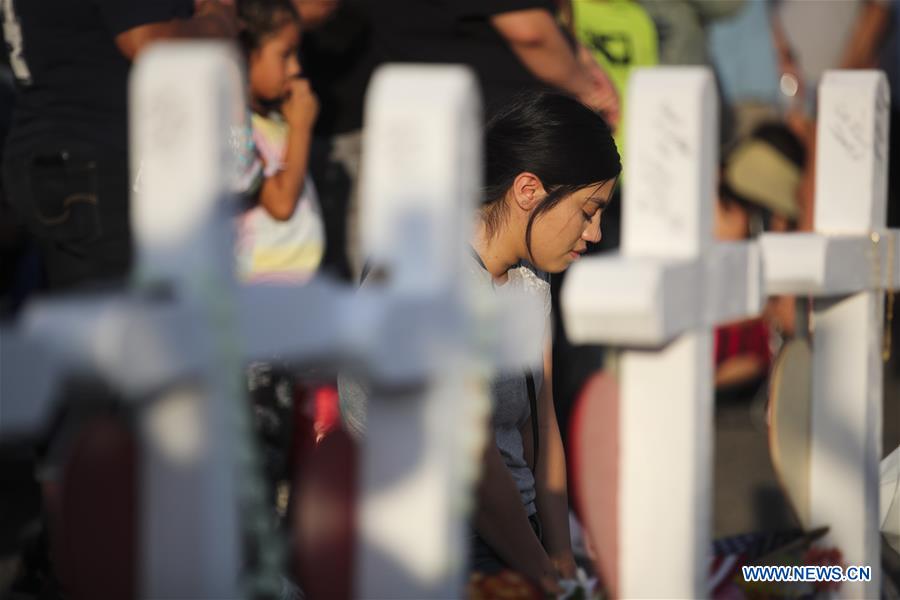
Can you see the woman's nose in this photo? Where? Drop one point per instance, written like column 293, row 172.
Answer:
column 592, row 232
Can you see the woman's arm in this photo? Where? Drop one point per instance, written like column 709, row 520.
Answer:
column 501, row 521
column 550, row 479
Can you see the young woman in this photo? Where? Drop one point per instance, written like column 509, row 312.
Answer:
column 551, row 167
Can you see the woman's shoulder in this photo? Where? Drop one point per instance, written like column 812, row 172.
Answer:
column 533, row 281
column 530, row 277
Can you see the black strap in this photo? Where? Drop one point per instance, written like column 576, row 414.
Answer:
column 529, row 384
column 532, row 399
column 477, row 257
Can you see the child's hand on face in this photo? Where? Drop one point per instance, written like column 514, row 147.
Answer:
column 300, row 107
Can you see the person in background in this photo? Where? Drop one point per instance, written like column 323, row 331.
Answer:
column 313, row 13
column 683, row 26
column 620, row 37
column 812, row 37
column 758, row 192
column 511, row 45
column 339, row 56
column 834, row 35
column 749, row 67
column 66, row 169
column 280, row 236
column 280, row 232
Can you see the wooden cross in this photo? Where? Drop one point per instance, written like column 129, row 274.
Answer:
column 846, row 266
column 658, row 300
column 180, row 338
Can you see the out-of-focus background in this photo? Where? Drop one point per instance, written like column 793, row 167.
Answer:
column 63, row 86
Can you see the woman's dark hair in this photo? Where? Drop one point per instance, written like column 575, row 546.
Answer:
column 262, row 18
column 566, row 144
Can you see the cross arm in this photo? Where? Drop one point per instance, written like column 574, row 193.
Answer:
column 831, row 265
column 647, row 302
column 136, row 345
column 394, row 334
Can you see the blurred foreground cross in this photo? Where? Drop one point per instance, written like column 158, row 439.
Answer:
column 177, row 342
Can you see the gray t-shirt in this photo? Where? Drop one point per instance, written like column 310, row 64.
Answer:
column 509, row 392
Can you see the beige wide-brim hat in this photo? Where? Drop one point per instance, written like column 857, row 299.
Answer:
column 759, row 173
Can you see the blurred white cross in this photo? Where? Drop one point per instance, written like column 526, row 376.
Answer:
column 183, row 334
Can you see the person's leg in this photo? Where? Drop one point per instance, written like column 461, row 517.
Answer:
column 347, row 151
column 100, row 264
column 483, row 559
column 76, row 204
column 335, row 164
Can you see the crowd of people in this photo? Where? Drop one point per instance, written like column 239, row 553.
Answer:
column 554, row 81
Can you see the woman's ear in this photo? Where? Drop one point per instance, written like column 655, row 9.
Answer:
column 527, row 190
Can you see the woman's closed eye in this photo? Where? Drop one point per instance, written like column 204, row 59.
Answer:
column 588, row 217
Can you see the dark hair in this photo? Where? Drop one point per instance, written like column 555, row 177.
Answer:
column 780, row 137
column 262, row 18
column 566, row 144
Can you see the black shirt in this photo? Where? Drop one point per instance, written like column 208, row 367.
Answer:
column 456, row 31
column 73, row 80
column 340, row 56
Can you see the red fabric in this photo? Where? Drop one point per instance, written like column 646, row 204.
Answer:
column 328, row 411
column 747, row 337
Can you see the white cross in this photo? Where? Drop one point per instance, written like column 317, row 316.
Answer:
column 421, row 160
column 846, row 269
column 184, row 333
column 658, row 300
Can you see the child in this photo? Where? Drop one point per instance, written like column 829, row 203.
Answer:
column 280, row 234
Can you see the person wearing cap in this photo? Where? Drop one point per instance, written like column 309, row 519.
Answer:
column 758, row 192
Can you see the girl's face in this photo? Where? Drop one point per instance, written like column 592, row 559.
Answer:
column 560, row 236
column 274, row 64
